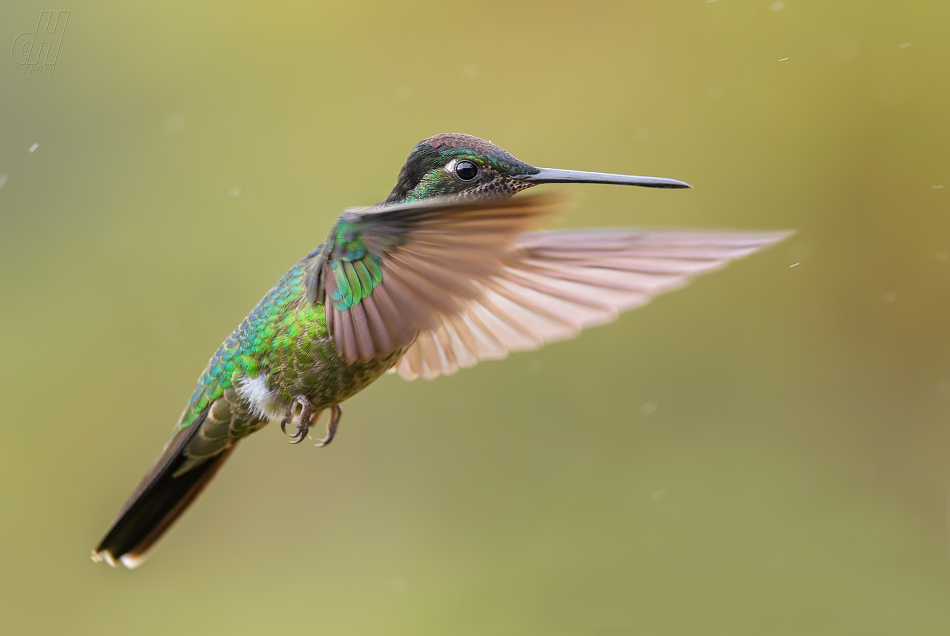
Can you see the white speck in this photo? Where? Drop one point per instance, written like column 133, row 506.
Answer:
column 904, row 45
column 174, row 123
column 890, row 297
column 794, row 265
column 649, row 408
column 400, row 584
column 34, row 147
column 940, row 256
column 535, row 366
column 711, row 1
column 643, row 133
column 235, row 192
column 470, row 71
column 3, row 180
column 936, row 187
column 714, row 93
column 783, row 59
column 403, row 93
column 778, row 5
column 659, row 494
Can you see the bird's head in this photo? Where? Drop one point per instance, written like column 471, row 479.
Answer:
column 466, row 166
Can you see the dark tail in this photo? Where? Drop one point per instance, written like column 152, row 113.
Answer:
column 158, row 501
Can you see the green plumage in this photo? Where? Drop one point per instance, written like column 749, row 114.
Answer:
column 356, row 269
column 285, row 342
column 274, row 335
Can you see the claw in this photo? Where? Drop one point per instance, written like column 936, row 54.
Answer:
column 303, row 418
column 336, row 412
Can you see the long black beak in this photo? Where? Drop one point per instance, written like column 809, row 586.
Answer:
column 555, row 175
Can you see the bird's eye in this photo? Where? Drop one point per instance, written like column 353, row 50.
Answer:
column 466, row 170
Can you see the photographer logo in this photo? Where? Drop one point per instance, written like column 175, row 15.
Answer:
column 37, row 50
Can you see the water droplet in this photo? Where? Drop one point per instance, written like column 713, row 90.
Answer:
column 235, row 192
column 659, row 494
column 400, row 584
column 3, row 180
column 649, row 408
column 778, row 5
column 34, row 147
column 890, row 297
column 904, row 45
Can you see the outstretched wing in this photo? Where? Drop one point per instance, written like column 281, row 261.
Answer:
column 458, row 282
column 554, row 284
column 387, row 274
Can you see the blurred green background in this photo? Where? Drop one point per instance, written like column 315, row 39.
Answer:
column 764, row 452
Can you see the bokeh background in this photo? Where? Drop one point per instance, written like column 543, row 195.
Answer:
column 764, row 452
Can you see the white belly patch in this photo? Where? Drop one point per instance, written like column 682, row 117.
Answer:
column 263, row 402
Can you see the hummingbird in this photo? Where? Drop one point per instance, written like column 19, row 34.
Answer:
column 450, row 269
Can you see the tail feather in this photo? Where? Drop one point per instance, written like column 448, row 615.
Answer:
column 158, row 501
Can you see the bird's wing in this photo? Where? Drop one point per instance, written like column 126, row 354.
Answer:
column 554, row 284
column 386, row 274
column 465, row 281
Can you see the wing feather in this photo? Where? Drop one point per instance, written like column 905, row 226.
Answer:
column 364, row 340
column 558, row 283
column 376, row 324
column 419, row 262
column 453, row 282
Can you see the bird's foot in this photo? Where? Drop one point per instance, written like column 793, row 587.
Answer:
column 301, row 413
column 336, row 411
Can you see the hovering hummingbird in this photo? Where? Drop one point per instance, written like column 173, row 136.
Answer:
column 443, row 273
